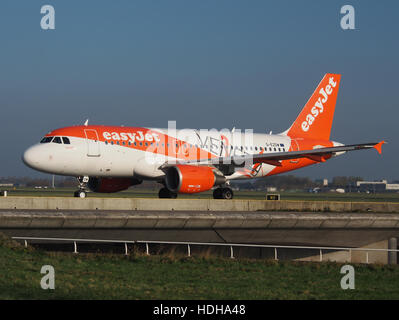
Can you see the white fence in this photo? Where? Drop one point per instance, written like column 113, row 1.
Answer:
column 189, row 244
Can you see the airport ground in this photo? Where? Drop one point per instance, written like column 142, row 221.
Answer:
column 173, row 275
column 242, row 194
column 115, row 276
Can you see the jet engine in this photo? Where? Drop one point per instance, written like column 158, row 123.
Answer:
column 192, row 179
column 109, row 185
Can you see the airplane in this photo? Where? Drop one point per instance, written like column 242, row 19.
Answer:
column 109, row 159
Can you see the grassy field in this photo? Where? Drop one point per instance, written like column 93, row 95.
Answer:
column 106, row 276
column 255, row 195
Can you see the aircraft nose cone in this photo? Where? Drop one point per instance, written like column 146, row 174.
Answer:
column 41, row 157
column 31, row 157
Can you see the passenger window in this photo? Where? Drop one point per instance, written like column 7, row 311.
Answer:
column 57, row 140
column 66, row 140
column 46, row 139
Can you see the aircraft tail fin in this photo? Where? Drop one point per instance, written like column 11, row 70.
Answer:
column 315, row 119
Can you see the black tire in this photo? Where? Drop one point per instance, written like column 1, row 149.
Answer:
column 80, row 194
column 173, row 195
column 217, row 193
column 227, row 193
column 165, row 193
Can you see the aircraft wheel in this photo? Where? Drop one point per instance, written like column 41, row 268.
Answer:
column 165, row 193
column 217, row 193
column 223, row 193
column 227, row 193
column 80, row 194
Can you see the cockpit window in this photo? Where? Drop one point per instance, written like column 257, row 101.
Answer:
column 66, row 140
column 46, row 139
column 57, row 140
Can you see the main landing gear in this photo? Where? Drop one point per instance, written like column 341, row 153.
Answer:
column 165, row 193
column 223, row 193
column 82, row 193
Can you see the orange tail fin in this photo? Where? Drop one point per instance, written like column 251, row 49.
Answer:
column 316, row 117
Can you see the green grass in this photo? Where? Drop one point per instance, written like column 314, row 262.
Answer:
column 107, row 276
column 254, row 195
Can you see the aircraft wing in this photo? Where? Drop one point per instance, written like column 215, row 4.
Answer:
column 319, row 154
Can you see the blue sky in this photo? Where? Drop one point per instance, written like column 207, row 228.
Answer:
column 206, row 64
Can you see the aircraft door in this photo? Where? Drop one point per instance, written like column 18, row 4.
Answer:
column 93, row 145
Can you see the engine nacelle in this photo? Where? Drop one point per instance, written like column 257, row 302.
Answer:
column 191, row 179
column 109, row 185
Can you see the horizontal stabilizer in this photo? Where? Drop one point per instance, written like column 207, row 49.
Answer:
column 378, row 146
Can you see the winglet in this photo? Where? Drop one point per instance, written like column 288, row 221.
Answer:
column 378, row 146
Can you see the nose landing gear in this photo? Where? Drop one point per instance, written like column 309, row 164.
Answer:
column 82, row 192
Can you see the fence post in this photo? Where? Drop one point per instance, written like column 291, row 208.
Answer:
column 275, row 254
column 188, row 250
column 75, row 247
column 321, row 256
column 367, row 257
column 26, row 243
column 231, row 252
column 392, row 255
column 126, row 253
column 147, row 251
